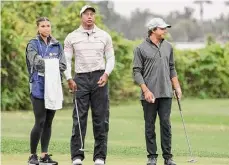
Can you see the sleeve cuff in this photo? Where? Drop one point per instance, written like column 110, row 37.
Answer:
column 67, row 75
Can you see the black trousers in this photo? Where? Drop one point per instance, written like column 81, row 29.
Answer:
column 43, row 126
column 162, row 107
column 89, row 94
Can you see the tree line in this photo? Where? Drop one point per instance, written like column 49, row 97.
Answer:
column 203, row 73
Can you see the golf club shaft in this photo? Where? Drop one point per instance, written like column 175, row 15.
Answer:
column 186, row 135
column 78, row 118
column 189, row 147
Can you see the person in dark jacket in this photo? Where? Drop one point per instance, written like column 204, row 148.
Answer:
column 42, row 47
column 154, row 71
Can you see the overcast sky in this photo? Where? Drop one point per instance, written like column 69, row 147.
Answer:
column 163, row 7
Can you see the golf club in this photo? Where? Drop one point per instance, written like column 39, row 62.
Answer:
column 78, row 118
column 192, row 160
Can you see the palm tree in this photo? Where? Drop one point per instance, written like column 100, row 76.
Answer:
column 201, row 4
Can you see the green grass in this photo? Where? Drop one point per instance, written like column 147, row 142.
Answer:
column 207, row 124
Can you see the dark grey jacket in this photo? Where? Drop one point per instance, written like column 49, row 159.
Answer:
column 154, row 66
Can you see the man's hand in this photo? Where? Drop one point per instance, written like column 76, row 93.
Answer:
column 103, row 80
column 149, row 96
column 72, row 85
column 176, row 86
column 178, row 93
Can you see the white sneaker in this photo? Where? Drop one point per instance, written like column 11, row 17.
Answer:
column 99, row 162
column 77, row 162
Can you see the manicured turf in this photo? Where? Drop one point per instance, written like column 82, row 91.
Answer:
column 207, row 123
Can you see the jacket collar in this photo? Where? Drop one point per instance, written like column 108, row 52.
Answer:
column 81, row 29
column 51, row 39
column 149, row 41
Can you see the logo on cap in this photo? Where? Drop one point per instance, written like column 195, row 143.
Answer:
column 84, row 8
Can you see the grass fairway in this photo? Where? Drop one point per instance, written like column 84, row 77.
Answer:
column 207, row 123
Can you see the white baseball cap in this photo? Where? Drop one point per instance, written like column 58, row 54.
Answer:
column 157, row 22
column 84, row 8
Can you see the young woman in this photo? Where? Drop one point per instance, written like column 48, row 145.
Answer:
column 42, row 47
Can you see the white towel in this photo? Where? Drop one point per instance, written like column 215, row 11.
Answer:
column 53, row 88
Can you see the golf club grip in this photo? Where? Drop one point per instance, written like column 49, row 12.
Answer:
column 178, row 100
